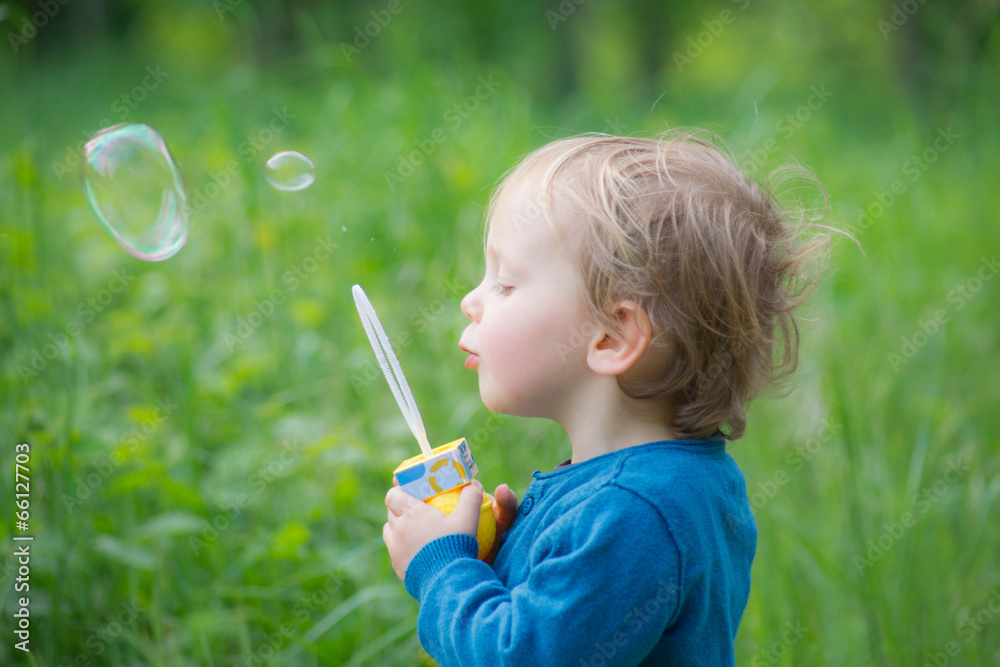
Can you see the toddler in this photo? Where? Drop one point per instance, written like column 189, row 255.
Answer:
column 639, row 292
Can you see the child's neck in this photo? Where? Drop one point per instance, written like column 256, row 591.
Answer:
column 610, row 421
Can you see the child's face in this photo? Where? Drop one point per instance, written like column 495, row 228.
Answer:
column 529, row 315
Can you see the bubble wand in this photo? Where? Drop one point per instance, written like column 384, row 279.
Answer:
column 390, row 368
column 437, row 475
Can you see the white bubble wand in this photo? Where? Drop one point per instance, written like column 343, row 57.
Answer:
column 390, row 368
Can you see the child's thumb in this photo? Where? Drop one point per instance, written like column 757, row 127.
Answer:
column 468, row 505
column 507, row 499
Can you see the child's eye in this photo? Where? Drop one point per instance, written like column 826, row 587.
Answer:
column 502, row 290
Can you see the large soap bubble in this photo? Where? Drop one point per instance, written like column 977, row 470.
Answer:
column 134, row 189
column 289, row 171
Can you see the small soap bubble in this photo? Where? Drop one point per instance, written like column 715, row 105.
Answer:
column 290, row 171
column 135, row 191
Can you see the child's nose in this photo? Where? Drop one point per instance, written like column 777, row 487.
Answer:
column 471, row 305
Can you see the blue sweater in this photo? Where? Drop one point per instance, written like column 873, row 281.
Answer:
column 640, row 556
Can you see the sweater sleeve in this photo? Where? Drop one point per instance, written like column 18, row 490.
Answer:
column 604, row 580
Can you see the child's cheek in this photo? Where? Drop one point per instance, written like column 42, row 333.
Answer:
column 504, row 356
column 496, row 345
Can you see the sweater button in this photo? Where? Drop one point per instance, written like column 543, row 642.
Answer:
column 526, row 506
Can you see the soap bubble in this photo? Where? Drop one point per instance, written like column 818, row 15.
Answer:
column 290, row 171
column 135, row 191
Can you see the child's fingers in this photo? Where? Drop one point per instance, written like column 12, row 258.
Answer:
column 504, row 511
column 400, row 502
column 506, row 498
column 469, row 504
column 506, row 504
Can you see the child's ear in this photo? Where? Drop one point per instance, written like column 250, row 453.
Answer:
column 614, row 352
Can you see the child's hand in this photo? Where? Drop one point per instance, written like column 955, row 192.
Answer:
column 413, row 524
column 504, row 511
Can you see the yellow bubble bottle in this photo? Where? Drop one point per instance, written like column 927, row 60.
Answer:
column 438, row 480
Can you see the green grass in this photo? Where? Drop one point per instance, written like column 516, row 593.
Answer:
column 197, row 502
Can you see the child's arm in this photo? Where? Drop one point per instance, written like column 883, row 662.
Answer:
column 603, row 584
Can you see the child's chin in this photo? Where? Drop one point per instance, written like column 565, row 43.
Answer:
column 504, row 407
column 491, row 404
column 494, row 403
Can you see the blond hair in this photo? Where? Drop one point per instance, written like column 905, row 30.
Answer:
column 674, row 225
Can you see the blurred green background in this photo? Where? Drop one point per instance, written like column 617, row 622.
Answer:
column 210, row 438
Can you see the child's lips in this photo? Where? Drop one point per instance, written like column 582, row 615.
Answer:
column 473, row 360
